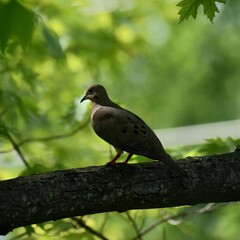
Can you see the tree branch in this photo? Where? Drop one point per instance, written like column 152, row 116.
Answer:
column 77, row 192
column 47, row 138
column 54, row 137
column 17, row 148
column 82, row 224
column 134, row 225
column 210, row 207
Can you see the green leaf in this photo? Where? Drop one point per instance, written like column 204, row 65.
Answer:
column 52, row 43
column 188, row 8
column 221, row 1
column 218, row 145
column 210, row 8
column 16, row 23
column 29, row 230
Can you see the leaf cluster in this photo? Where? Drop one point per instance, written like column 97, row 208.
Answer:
column 190, row 8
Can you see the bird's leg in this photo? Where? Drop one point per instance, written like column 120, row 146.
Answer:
column 127, row 159
column 113, row 161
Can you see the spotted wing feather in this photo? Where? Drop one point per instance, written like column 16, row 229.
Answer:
column 126, row 131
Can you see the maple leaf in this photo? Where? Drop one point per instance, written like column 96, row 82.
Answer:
column 190, row 8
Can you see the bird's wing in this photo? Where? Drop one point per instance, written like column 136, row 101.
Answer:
column 126, row 131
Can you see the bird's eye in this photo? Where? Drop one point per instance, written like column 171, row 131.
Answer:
column 90, row 90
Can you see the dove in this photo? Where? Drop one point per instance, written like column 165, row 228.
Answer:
column 124, row 130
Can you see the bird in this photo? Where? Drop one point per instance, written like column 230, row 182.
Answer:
column 124, row 130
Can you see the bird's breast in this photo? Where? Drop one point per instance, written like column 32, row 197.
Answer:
column 105, row 124
column 101, row 118
column 94, row 110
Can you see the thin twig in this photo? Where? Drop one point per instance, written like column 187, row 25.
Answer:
column 134, row 225
column 16, row 147
column 207, row 208
column 51, row 138
column 46, row 139
column 106, row 216
column 82, row 224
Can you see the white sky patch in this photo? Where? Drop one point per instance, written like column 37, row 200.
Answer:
column 81, row 108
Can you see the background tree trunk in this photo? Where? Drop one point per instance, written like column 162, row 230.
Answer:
column 76, row 192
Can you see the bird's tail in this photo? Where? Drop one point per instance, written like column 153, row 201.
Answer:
column 166, row 159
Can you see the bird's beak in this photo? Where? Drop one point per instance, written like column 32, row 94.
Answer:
column 83, row 99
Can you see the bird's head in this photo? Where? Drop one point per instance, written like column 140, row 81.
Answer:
column 97, row 94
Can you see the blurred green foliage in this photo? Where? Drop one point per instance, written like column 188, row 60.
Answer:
column 170, row 74
column 16, row 22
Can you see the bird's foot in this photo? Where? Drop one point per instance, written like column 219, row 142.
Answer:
column 111, row 163
column 123, row 163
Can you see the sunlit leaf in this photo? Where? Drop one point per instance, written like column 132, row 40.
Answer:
column 218, row 146
column 29, row 230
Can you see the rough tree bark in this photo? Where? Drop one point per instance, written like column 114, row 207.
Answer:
column 76, row 192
